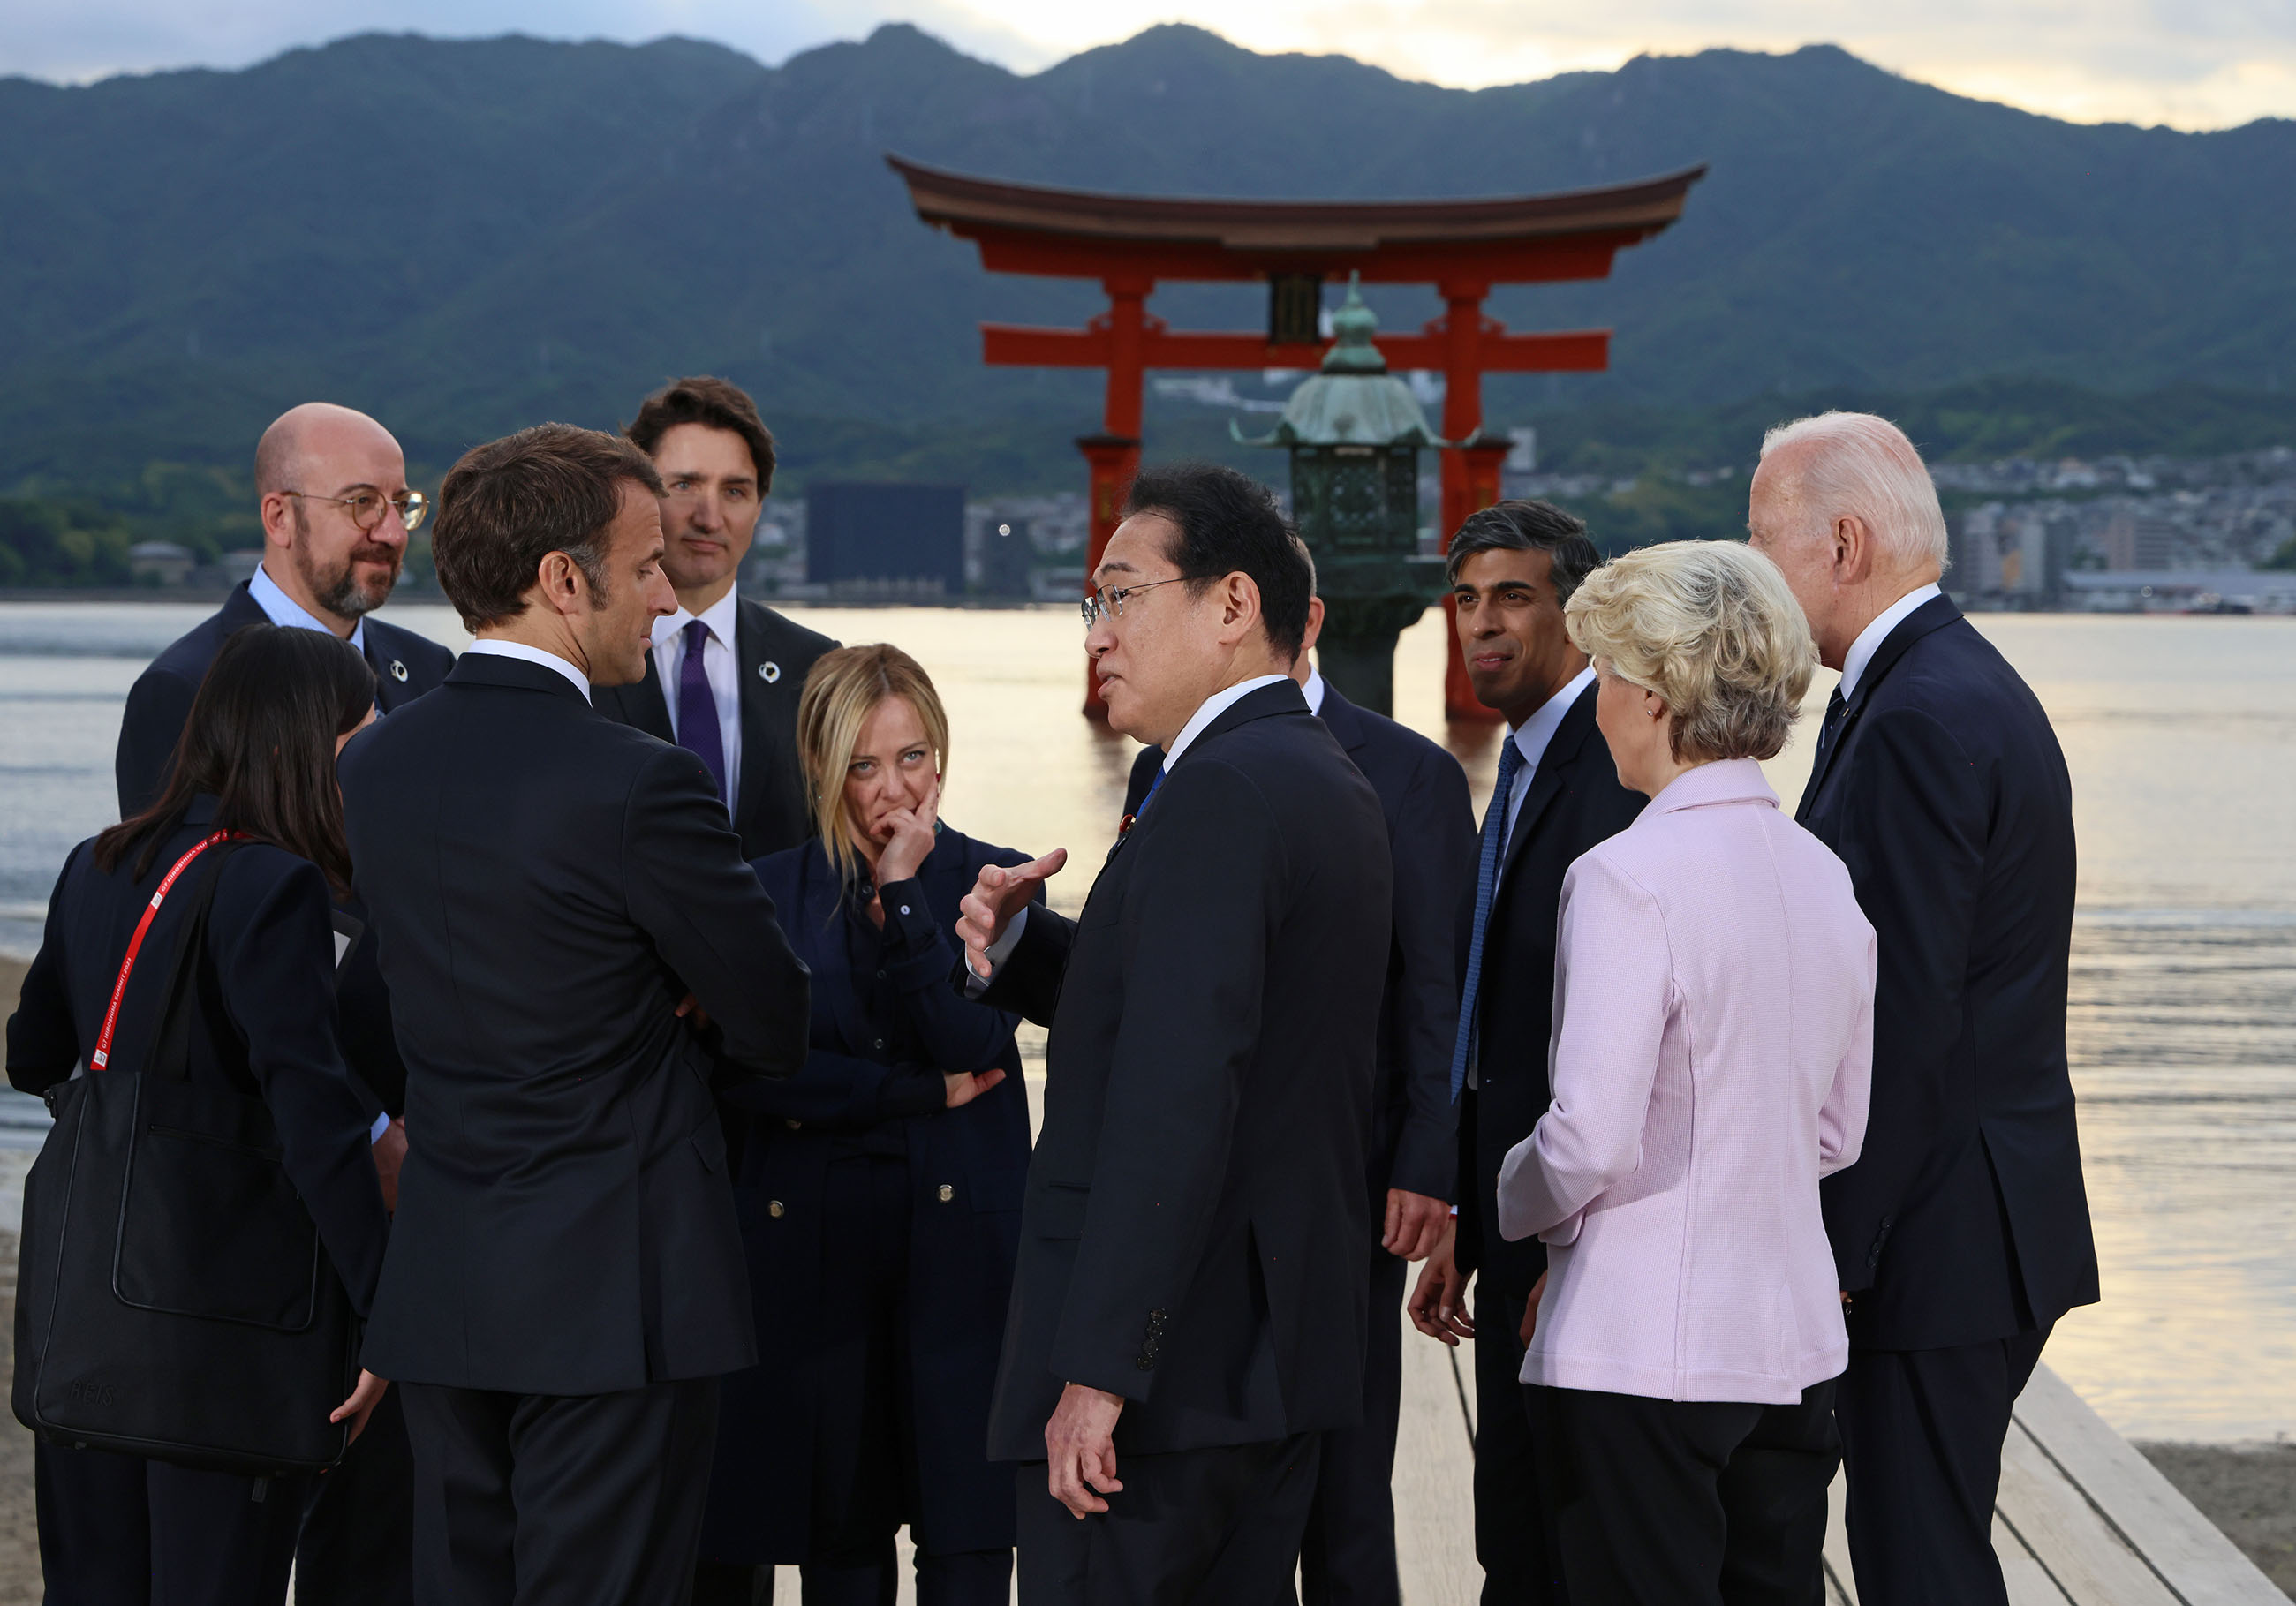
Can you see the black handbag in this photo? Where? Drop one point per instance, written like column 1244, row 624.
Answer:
column 172, row 1297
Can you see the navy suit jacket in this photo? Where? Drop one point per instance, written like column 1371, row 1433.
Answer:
column 1965, row 1218
column 272, row 1036
column 1192, row 1235
column 966, row 1167
column 405, row 665
column 773, row 654
column 547, row 885
column 1575, row 801
column 1430, row 839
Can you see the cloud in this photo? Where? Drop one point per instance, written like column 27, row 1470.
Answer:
column 2192, row 63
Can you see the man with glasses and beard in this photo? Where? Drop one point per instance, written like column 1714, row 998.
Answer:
column 336, row 515
column 336, row 512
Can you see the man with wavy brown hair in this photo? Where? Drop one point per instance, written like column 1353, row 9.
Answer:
column 724, row 673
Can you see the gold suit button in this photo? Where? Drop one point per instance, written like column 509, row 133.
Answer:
column 773, row 1209
column 946, row 1192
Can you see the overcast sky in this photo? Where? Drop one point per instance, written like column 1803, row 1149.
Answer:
column 2194, row 63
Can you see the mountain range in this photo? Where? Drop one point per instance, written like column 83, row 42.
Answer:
column 462, row 237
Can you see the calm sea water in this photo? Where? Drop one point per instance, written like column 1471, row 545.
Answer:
column 2181, row 738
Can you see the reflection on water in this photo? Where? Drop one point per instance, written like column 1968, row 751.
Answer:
column 2181, row 734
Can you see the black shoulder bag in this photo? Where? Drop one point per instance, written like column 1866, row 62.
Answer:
column 173, row 1298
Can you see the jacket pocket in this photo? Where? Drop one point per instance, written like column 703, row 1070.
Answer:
column 1057, row 1211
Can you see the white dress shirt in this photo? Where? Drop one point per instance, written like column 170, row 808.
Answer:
column 1870, row 639
column 1313, row 690
column 718, row 667
column 1209, row 709
column 281, row 608
column 492, row 646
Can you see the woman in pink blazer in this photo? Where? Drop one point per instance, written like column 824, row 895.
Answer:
column 1713, row 1037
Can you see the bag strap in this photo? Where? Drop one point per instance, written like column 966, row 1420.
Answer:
column 101, row 1057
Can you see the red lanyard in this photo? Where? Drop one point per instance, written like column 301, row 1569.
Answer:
column 103, row 1054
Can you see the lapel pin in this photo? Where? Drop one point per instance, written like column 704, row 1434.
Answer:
column 397, row 670
column 769, row 671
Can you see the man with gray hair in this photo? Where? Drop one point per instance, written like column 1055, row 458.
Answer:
column 1962, row 1233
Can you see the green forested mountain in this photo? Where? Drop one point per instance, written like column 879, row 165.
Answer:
column 462, row 237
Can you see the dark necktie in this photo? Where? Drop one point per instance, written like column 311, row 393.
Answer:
column 1837, row 709
column 697, row 707
column 1487, row 886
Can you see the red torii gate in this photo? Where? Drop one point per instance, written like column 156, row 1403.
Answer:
column 1461, row 247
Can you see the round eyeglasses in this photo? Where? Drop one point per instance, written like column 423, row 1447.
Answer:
column 366, row 507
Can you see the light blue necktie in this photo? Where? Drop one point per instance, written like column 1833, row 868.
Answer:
column 1487, row 886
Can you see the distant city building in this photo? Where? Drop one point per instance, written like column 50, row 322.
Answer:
column 885, row 541
column 160, row 562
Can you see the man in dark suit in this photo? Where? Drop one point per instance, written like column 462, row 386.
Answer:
column 1188, row 1310
column 336, row 511
column 1350, row 1551
column 724, row 673
column 1512, row 567
column 1963, row 1232
column 553, row 890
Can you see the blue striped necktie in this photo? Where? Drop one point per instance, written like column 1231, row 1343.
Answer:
column 1487, row 886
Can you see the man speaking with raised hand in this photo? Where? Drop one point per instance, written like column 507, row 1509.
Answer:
column 1188, row 1311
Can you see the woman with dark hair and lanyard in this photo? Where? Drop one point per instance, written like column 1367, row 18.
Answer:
column 258, row 761
column 879, row 1190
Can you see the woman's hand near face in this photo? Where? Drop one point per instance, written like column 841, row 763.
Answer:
column 910, row 838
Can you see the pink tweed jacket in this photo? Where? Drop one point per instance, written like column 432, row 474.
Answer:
column 1713, row 1044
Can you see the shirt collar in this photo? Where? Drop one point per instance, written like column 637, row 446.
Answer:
column 1211, row 708
column 1313, row 691
column 281, row 608
column 1870, row 639
column 719, row 616
column 496, row 647
column 1532, row 736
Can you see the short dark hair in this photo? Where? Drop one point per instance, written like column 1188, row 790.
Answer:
column 260, row 740
column 1530, row 527
column 511, row 502
column 1229, row 522
column 715, row 402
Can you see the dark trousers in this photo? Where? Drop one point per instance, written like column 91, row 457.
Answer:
column 1921, row 1431
column 118, row 1530
column 1687, row 1503
column 1189, row 1525
column 592, row 1499
column 1514, row 1526
column 358, row 1547
column 1347, row 1558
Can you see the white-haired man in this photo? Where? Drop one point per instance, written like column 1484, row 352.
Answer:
column 1963, row 1232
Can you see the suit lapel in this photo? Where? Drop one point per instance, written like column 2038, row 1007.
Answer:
column 1561, row 752
column 1932, row 616
column 1342, row 716
column 820, row 908
column 767, row 704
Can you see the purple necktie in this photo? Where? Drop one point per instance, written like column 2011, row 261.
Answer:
column 697, row 708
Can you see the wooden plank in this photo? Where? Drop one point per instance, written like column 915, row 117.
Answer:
column 1434, row 1477
column 1841, row 1582
column 2189, row 1557
column 2027, row 1580
column 2065, row 1534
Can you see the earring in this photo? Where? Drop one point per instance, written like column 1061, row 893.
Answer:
column 1654, row 713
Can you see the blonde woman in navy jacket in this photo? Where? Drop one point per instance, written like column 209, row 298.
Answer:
column 879, row 1189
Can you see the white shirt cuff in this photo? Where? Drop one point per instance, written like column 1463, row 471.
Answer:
column 999, row 951
column 382, row 1125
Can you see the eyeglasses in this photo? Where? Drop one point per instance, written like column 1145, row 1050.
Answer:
column 1107, row 600
column 366, row 507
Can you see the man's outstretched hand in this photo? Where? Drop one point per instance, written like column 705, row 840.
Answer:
column 1081, row 1440
column 999, row 895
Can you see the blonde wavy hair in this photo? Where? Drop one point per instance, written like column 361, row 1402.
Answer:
column 840, row 693
column 1711, row 628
